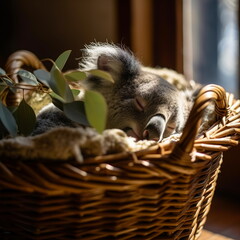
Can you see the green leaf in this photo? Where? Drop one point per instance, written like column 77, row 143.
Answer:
column 56, row 96
column 25, row 118
column 12, row 109
column 96, row 110
column 43, row 76
column 75, row 92
column 58, row 103
column 60, row 86
column 101, row 74
column 8, row 120
column 2, row 88
column 55, row 81
column 8, row 81
column 62, row 59
column 76, row 112
column 75, row 76
column 2, row 72
column 28, row 77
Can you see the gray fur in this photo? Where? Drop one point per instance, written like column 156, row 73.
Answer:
column 50, row 117
column 136, row 96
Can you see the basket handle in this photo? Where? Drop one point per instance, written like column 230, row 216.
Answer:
column 20, row 59
column 209, row 93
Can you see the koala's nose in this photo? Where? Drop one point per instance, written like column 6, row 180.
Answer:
column 155, row 128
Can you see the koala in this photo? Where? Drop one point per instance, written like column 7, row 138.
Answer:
column 140, row 101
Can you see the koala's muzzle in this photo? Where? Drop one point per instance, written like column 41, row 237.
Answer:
column 155, row 128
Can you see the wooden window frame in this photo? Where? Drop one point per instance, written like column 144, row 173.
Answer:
column 142, row 25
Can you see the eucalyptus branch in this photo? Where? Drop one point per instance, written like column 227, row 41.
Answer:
column 39, row 87
column 7, row 76
column 25, row 86
column 64, row 90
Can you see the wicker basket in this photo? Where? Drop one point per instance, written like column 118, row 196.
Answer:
column 161, row 192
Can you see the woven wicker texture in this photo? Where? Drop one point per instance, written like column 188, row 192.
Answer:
column 161, row 192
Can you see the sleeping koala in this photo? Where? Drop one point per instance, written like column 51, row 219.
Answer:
column 140, row 102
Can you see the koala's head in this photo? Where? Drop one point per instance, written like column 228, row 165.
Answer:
column 141, row 103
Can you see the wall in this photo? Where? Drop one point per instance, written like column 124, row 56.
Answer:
column 50, row 27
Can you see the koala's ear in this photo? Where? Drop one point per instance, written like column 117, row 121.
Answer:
column 111, row 65
column 109, row 57
column 103, row 62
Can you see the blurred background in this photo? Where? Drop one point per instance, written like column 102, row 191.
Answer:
column 197, row 38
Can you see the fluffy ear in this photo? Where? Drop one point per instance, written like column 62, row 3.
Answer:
column 109, row 57
column 111, row 65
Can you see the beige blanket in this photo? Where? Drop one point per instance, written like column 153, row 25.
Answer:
column 65, row 143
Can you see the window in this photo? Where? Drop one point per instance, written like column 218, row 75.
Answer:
column 211, row 42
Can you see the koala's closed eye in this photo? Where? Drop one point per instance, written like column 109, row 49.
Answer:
column 140, row 103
